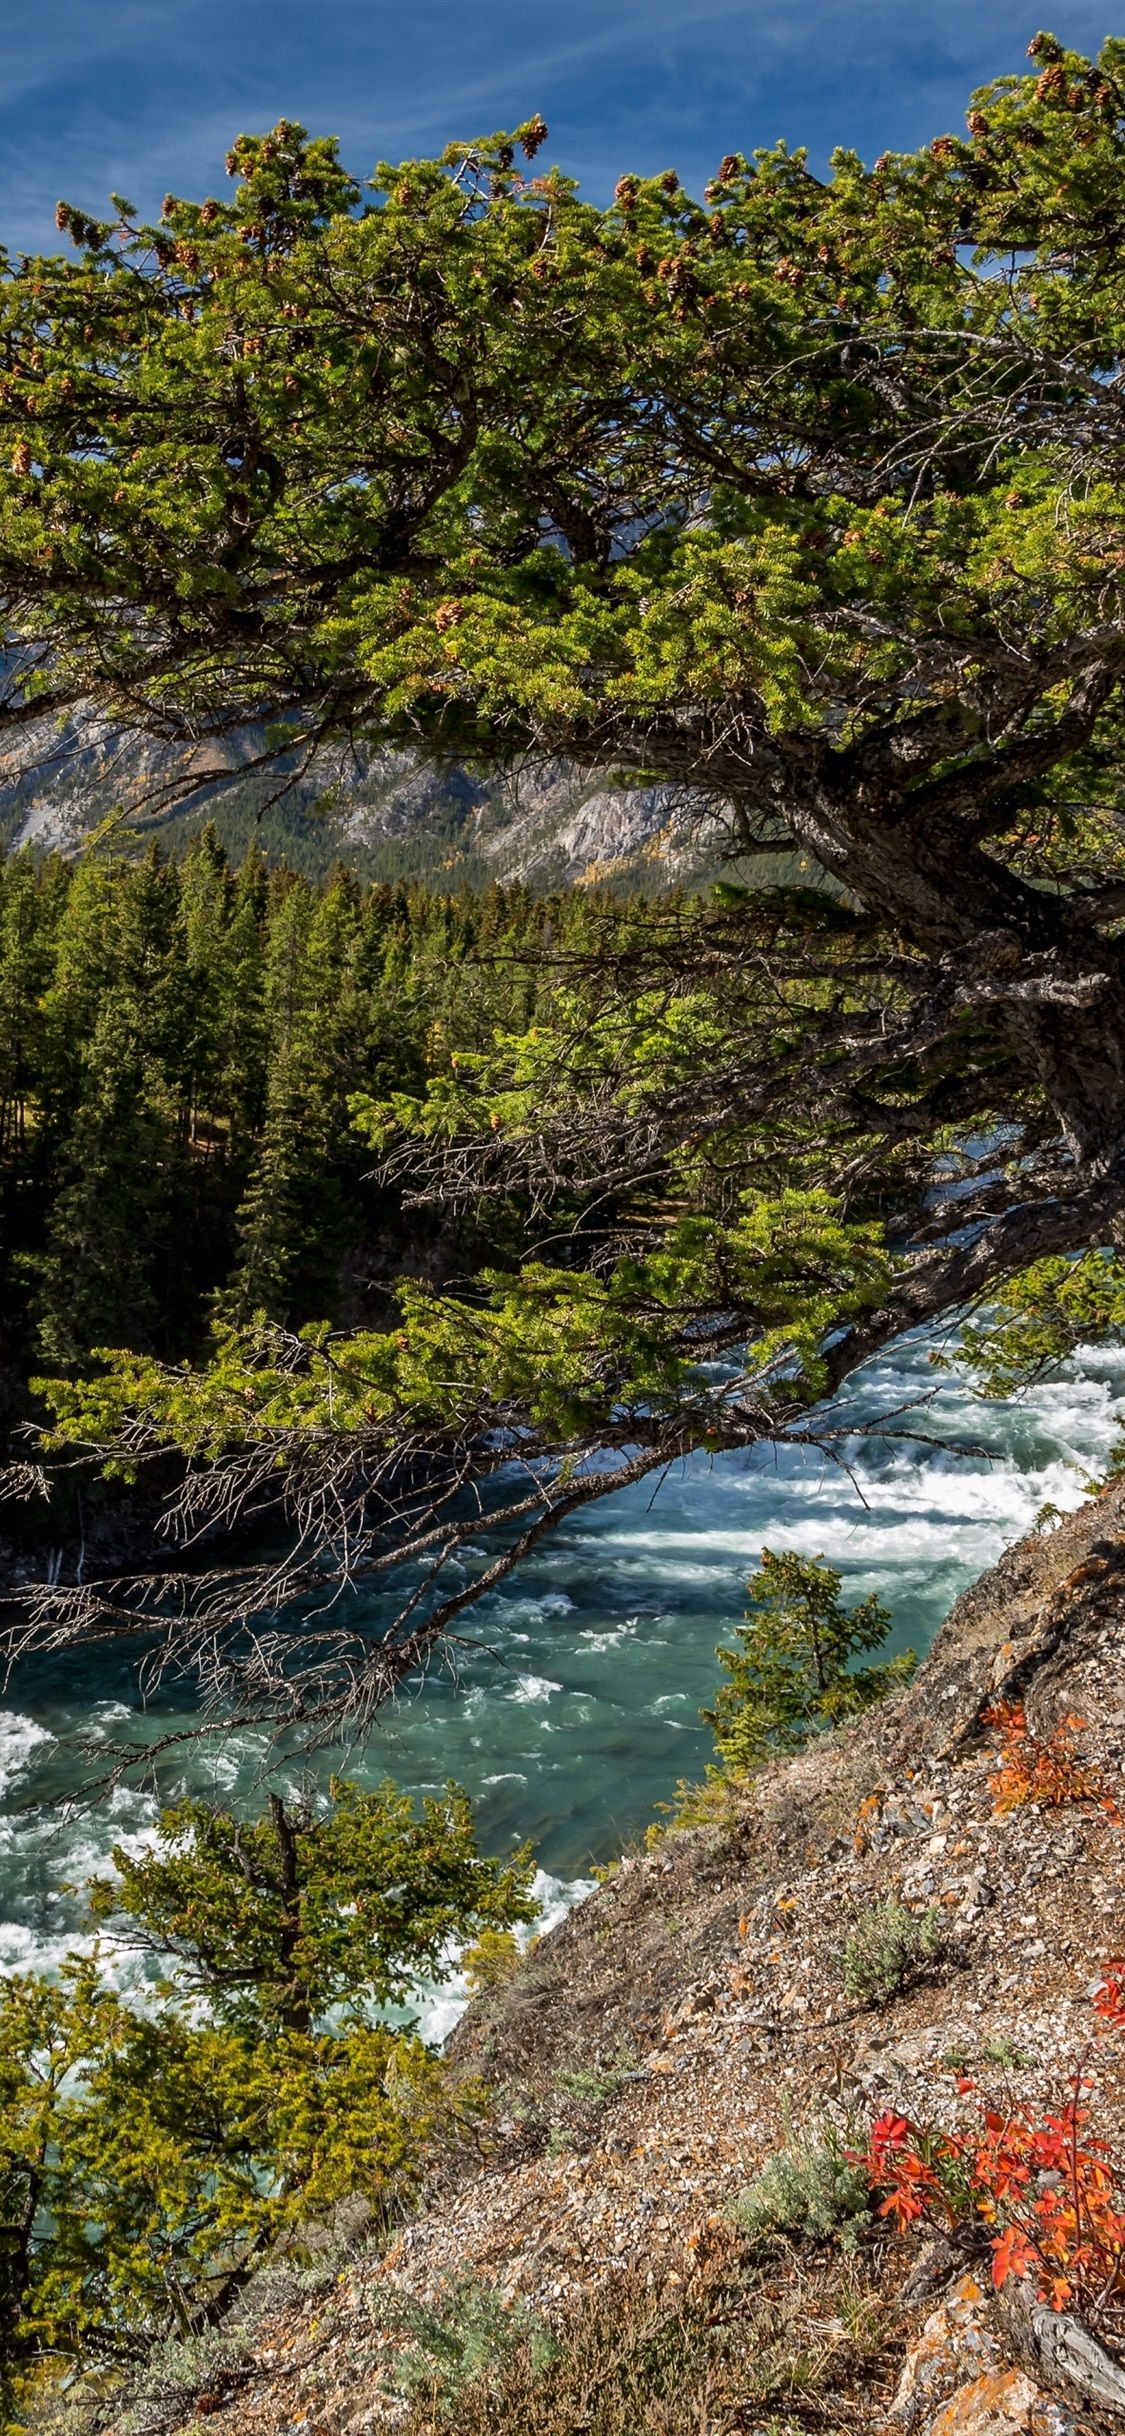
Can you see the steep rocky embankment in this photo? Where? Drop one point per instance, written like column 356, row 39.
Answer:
column 681, row 2026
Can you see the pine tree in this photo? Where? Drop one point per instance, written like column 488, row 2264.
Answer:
column 29, row 908
column 150, row 2162
column 292, row 1222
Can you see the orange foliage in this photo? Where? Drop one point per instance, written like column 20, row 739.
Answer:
column 1109, row 1998
column 1041, row 2187
column 867, row 1817
column 1033, row 1770
column 1036, row 2182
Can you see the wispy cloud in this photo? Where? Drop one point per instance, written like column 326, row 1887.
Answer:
column 140, row 95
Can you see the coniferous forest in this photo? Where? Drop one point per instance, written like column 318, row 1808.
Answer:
column 179, row 1040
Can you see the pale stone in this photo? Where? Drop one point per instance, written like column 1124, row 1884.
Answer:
column 955, row 2339
column 999, row 2404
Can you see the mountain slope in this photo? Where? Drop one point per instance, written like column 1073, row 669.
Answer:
column 690, row 2023
column 387, row 814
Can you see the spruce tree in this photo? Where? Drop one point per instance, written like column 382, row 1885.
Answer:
column 794, row 1670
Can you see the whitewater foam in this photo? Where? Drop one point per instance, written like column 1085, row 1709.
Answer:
column 438, row 2009
column 578, row 1708
column 529, row 1689
column 19, row 1738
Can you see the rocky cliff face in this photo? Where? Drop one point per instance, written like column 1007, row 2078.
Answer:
column 692, row 2021
column 547, row 824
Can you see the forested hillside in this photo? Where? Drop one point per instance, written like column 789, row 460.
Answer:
column 178, row 1044
column 389, row 814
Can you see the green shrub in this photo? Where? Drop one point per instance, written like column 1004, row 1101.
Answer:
column 466, row 2339
column 808, row 2191
column 887, row 1948
column 177, row 2372
column 492, row 1961
column 633, row 2360
column 714, row 1802
column 592, row 2084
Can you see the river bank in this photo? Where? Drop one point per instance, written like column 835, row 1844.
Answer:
column 691, row 2021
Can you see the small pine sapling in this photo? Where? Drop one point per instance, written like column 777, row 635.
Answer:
column 793, row 1674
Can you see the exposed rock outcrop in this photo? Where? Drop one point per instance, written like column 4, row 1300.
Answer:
column 546, row 823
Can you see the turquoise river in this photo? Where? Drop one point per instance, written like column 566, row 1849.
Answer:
column 578, row 1710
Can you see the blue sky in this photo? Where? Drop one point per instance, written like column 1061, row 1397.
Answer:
column 141, row 95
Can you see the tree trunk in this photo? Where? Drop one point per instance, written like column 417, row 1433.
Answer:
column 296, row 2011
column 1055, row 988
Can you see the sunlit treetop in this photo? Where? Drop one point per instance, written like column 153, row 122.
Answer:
column 455, row 456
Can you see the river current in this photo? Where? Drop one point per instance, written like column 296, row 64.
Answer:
column 578, row 1710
